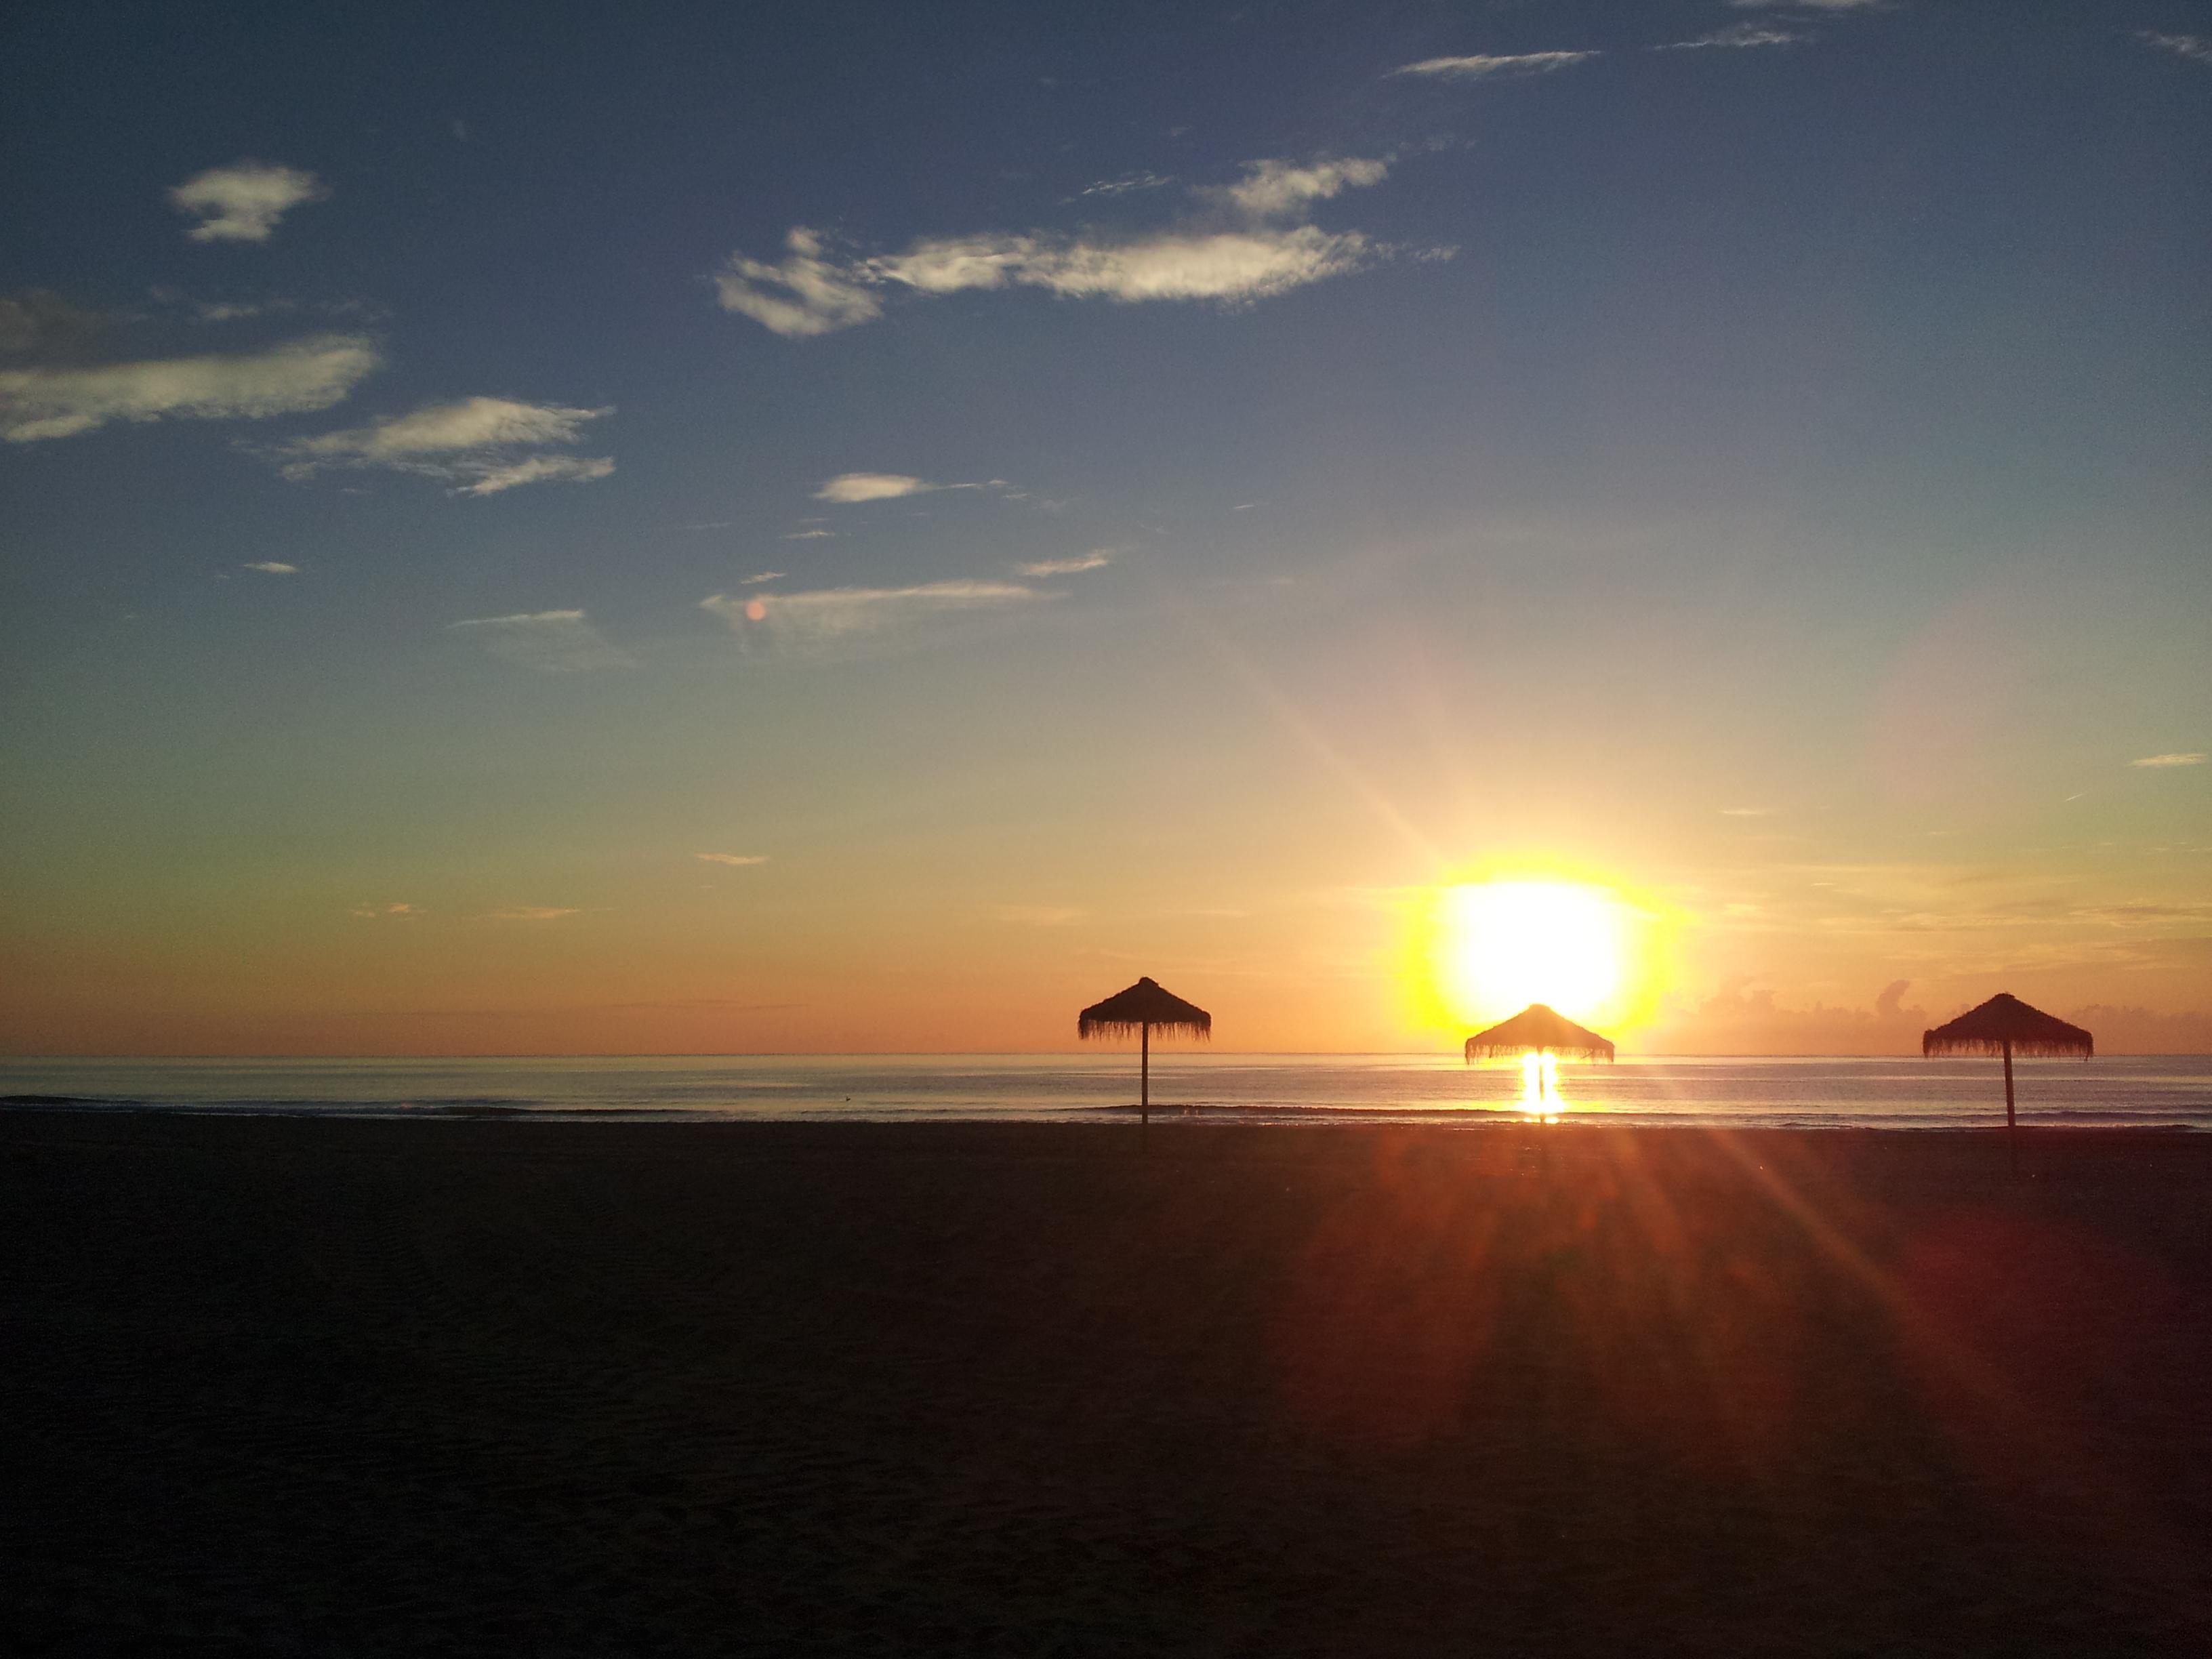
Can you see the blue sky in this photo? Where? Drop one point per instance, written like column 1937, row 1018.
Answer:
column 1064, row 494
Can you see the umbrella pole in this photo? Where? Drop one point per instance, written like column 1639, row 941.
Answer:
column 1144, row 1077
column 2012, row 1124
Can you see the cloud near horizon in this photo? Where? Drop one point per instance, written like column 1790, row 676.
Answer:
column 550, row 641
column 832, row 613
column 243, row 202
column 2193, row 758
column 299, row 377
column 530, row 912
column 478, row 444
column 738, row 860
column 1243, row 242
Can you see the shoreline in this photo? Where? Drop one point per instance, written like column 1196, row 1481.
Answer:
column 1171, row 1117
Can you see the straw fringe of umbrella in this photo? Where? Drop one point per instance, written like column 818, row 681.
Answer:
column 1538, row 1030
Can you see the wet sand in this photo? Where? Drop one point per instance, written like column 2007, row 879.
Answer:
column 291, row 1386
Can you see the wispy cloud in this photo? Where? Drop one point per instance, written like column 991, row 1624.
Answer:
column 479, row 444
column 1240, row 242
column 57, row 401
column 2191, row 759
column 1747, row 811
column 810, row 291
column 238, row 310
column 2196, row 47
column 815, row 535
column 739, row 860
column 1127, row 183
column 1482, row 66
column 760, row 577
column 1098, row 558
column 831, row 613
column 243, row 202
column 272, row 568
column 1270, row 189
column 1737, row 35
column 550, row 641
column 540, row 469
column 378, row 912
column 530, row 912
column 848, row 488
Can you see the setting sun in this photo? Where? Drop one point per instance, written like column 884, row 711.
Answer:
column 1497, row 947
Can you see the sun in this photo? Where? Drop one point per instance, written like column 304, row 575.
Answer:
column 1497, row 947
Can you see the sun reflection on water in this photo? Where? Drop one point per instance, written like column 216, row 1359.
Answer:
column 1539, row 1088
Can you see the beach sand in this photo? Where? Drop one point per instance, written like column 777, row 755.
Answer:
column 376, row 1387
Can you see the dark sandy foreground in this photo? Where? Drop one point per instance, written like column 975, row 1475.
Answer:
column 524, row 1388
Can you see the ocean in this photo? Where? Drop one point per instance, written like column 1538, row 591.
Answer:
column 1101, row 1087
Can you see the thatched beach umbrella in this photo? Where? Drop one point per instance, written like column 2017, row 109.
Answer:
column 1137, row 1012
column 2006, row 1025
column 1538, row 1029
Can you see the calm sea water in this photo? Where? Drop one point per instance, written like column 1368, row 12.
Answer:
column 1798, row 1093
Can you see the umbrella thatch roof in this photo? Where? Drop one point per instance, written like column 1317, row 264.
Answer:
column 1538, row 1028
column 1126, row 1012
column 2004, row 1020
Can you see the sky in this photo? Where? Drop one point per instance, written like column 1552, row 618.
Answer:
column 559, row 528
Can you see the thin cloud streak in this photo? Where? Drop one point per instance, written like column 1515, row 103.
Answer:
column 737, row 861
column 549, row 641
column 1739, row 36
column 299, row 377
column 1482, row 66
column 1096, row 559
column 1127, row 183
column 540, row 469
column 2191, row 759
column 477, row 444
column 832, row 613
